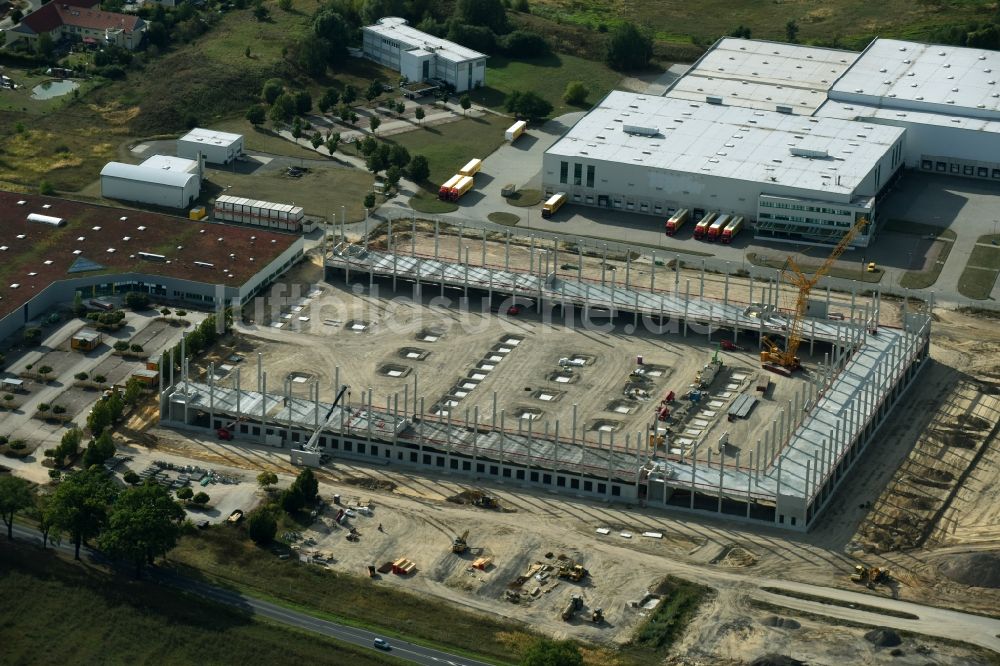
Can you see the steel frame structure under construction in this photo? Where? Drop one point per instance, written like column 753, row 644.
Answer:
column 786, row 478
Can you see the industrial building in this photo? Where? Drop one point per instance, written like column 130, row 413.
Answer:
column 785, row 478
column 420, row 57
column 216, row 147
column 746, row 131
column 160, row 180
column 101, row 251
column 79, row 21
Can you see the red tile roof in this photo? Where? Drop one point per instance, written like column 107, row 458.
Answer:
column 33, row 255
column 80, row 13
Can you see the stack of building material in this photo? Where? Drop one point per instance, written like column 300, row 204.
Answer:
column 403, row 567
column 482, row 563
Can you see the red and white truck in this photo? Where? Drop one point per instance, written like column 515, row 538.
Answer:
column 677, row 220
column 716, row 227
column 701, row 229
column 734, row 227
column 444, row 193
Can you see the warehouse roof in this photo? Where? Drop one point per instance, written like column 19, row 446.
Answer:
column 170, row 163
column 100, row 239
column 147, row 174
column 763, row 75
column 819, row 154
column 209, row 136
column 863, row 112
column 393, row 27
column 925, row 77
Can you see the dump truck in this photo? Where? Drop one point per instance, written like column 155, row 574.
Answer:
column 553, row 204
column 701, row 229
column 471, row 168
column 677, row 220
column 463, row 185
column 514, row 131
column 460, row 545
column 734, row 227
column 715, row 229
column 574, row 604
column 444, row 192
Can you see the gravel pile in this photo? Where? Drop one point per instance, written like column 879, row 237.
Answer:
column 974, row 569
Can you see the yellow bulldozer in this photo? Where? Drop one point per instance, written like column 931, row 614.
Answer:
column 460, row 545
column 572, row 571
column 870, row 576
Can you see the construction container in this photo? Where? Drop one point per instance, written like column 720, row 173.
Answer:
column 677, row 220
column 197, row 213
column 284, row 217
column 471, row 168
column 554, row 203
column 514, row 131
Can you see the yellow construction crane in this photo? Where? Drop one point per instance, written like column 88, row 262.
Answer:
column 772, row 354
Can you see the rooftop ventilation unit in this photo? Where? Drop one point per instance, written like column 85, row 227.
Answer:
column 781, row 108
column 806, row 152
column 46, row 219
column 204, row 264
column 638, row 130
column 149, row 256
column 713, row 99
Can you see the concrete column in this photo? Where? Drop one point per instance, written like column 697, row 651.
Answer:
column 555, row 446
column 506, row 252
column 687, row 300
column 437, row 239
column 750, row 479
column 652, row 279
column 694, row 471
column 701, row 287
column 239, row 391
column 371, row 416
column 677, row 273
column 263, row 408
column 628, row 269
column 573, row 438
column 725, row 291
column 475, row 438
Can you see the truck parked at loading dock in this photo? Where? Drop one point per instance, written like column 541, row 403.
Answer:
column 715, row 229
column 734, row 227
column 677, row 220
column 701, row 229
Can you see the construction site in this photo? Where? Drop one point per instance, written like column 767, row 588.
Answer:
column 551, row 364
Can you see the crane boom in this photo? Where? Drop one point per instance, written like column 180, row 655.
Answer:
column 804, row 283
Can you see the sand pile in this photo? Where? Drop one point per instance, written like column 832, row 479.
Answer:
column 974, row 569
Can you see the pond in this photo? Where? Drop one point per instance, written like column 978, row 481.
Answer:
column 51, row 89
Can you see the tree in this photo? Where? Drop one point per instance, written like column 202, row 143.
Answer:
column 367, row 146
column 292, row 500
column 297, row 128
column 144, row 523
column 575, row 93
column 369, row 202
column 184, row 493
column 46, row 47
column 328, row 100
column 418, row 169
column 374, row 90
column 285, row 5
column 333, row 33
column 419, row 114
column 272, row 88
column 392, row 176
column 79, row 309
column 316, row 140
column 15, row 495
column 256, row 114
column 68, row 447
column 477, row 37
column 332, row 141
column 283, row 109
column 349, row 95
column 266, row 479
column 99, row 417
column 133, row 391
column 131, row 478
column 374, row 123
column 121, row 346
column 545, row 652
column 307, row 483
column 201, row 498
column 261, row 13
column 32, row 335
column 261, row 526
column 791, row 30
column 378, row 159
column 399, row 155
column 741, row 31
column 303, row 102
column 42, row 512
column 628, row 48
column 99, row 450
column 528, row 105
column 80, row 505
column 137, row 300
column 45, row 370
column 486, row 13
column 466, row 103
column 525, row 44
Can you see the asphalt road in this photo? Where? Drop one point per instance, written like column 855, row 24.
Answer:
column 400, row 649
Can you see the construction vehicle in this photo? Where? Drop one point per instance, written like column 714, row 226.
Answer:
column 460, row 545
column 701, row 229
column 729, row 345
column 371, row 571
column 571, row 570
column 485, row 501
column 597, row 615
column 784, row 361
column 471, row 168
column 870, row 576
column 715, row 229
column 734, row 227
column 659, row 438
column 677, row 220
column 574, row 604
column 554, row 203
column 710, row 371
column 514, row 131
column 444, row 192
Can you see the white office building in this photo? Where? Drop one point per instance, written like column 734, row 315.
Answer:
column 161, row 180
column 419, row 56
column 217, row 147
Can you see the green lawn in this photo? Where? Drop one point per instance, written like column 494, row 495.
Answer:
column 652, row 641
column 262, row 139
column 427, row 202
column 224, row 555
column 546, row 76
column 448, row 147
column 982, row 269
column 57, row 612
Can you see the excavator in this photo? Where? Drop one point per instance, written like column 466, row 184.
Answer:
column 869, row 576
column 460, row 545
column 784, row 361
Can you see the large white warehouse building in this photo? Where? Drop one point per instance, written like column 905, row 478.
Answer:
column 161, row 180
column 216, row 147
column 747, row 130
column 419, row 56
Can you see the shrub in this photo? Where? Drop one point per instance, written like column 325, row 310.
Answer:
column 49, row 453
column 137, row 300
column 261, row 526
column 201, row 498
column 185, row 493
column 43, row 407
column 32, row 335
column 8, row 397
column 121, row 346
column 136, row 348
column 18, row 445
column 165, row 312
column 100, row 379
column 575, row 93
column 58, row 409
column 182, row 313
column 81, row 376
column 55, row 474
column 525, row 44
column 44, row 370
column 131, row 478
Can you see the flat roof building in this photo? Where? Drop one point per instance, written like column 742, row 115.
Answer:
column 216, row 147
column 419, row 56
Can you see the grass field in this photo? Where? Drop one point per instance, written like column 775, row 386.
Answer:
column 546, row 76
column 448, row 147
column 810, row 267
column 850, row 21
column 220, row 554
column 982, row 269
column 57, row 612
column 261, row 139
column 427, row 202
column 925, row 278
column 653, row 639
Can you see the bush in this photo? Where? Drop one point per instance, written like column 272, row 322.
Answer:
column 137, row 300
column 32, row 335
column 201, row 499
column 575, row 93
column 165, row 312
column 100, row 379
column 121, row 346
column 44, row 370
column 131, row 478
column 81, row 376
column 181, row 313
column 185, row 493
column 525, row 44
column 58, row 409
column 527, row 105
column 136, row 348
column 45, row 187
column 18, row 445
column 8, row 397
column 43, row 406
column 55, row 474
column 262, row 527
